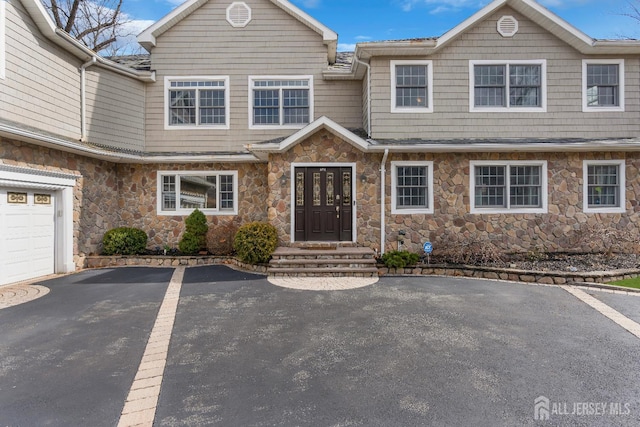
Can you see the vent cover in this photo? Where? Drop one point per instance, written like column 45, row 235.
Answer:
column 238, row 14
column 507, row 26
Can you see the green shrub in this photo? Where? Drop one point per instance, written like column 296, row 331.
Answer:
column 194, row 238
column 399, row 259
column 124, row 241
column 256, row 242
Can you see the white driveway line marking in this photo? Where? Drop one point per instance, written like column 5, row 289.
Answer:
column 142, row 401
column 607, row 311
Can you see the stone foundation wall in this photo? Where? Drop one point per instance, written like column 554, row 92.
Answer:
column 138, row 199
column 95, row 207
column 564, row 228
column 325, row 147
column 110, row 195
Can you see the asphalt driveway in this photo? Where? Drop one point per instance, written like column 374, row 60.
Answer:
column 405, row 351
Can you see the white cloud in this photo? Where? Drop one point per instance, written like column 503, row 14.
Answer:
column 440, row 6
column 363, row 38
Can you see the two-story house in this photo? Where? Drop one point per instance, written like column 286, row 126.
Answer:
column 513, row 127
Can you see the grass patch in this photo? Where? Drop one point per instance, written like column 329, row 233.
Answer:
column 627, row 283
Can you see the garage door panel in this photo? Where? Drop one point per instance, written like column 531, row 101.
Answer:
column 27, row 239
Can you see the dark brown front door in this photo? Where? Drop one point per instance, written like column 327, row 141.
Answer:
column 323, row 204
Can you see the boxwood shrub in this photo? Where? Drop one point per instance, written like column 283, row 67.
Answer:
column 399, row 259
column 124, row 241
column 255, row 242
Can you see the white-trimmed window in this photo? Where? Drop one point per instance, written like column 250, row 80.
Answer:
column 508, row 187
column 214, row 193
column 514, row 86
column 196, row 102
column 602, row 85
column 411, row 86
column 412, row 187
column 604, row 186
column 2, row 39
column 282, row 102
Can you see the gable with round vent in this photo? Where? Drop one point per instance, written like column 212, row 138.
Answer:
column 238, row 14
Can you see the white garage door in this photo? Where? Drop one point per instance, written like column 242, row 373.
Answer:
column 27, row 234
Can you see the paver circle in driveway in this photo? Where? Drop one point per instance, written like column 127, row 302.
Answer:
column 20, row 293
column 323, row 283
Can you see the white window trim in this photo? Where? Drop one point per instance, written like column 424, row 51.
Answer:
column 543, row 87
column 184, row 212
column 394, row 190
column 429, row 108
column 3, row 40
column 227, row 98
column 290, row 126
column 621, row 86
column 621, row 180
column 520, row 210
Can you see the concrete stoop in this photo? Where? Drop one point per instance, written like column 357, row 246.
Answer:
column 323, row 262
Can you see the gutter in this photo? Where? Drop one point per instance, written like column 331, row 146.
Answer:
column 383, row 197
column 97, row 153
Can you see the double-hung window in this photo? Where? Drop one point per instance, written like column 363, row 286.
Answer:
column 284, row 102
column 602, row 85
column 604, row 186
column 214, row 193
column 412, row 189
column 517, row 86
column 513, row 187
column 411, row 87
column 197, row 102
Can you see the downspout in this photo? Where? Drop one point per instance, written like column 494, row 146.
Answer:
column 368, row 94
column 83, row 98
column 383, row 197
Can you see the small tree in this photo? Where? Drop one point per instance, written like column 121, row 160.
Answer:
column 194, row 238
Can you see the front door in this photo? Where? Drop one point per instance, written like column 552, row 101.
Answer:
column 323, row 204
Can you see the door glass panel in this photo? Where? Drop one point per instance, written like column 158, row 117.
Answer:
column 300, row 189
column 316, row 189
column 330, row 189
column 346, row 188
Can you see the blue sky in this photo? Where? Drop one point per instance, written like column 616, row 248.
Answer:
column 371, row 20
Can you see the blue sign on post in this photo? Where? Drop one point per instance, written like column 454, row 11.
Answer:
column 428, row 248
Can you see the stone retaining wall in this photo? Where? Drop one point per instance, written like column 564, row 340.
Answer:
column 170, row 261
column 545, row 277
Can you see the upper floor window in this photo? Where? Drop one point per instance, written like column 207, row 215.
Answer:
column 412, row 189
column 513, row 187
column 214, row 193
column 411, row 87
column 284, row 102
column 508, row 86
column 197, row 102
column 604, row 186
column 603, row 85
column 2, row 40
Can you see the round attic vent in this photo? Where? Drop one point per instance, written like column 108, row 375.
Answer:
column 507, row 26
column 238, row 14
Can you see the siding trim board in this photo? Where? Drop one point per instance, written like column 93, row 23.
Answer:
column 3, row 49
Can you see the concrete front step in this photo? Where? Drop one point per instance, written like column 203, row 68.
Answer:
column 323, row 262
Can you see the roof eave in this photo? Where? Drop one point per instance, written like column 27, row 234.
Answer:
column 623, row 145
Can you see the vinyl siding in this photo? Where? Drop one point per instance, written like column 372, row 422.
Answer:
column 115, row 109
column 273, row 43
column 451, row 118
column 42, row 85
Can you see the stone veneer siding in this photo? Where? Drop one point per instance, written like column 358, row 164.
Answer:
column 110, row 195
column 556, row 230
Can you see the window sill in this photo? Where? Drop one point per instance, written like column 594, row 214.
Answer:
column 481, row 211
column 422, row 211
column 187, row 212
